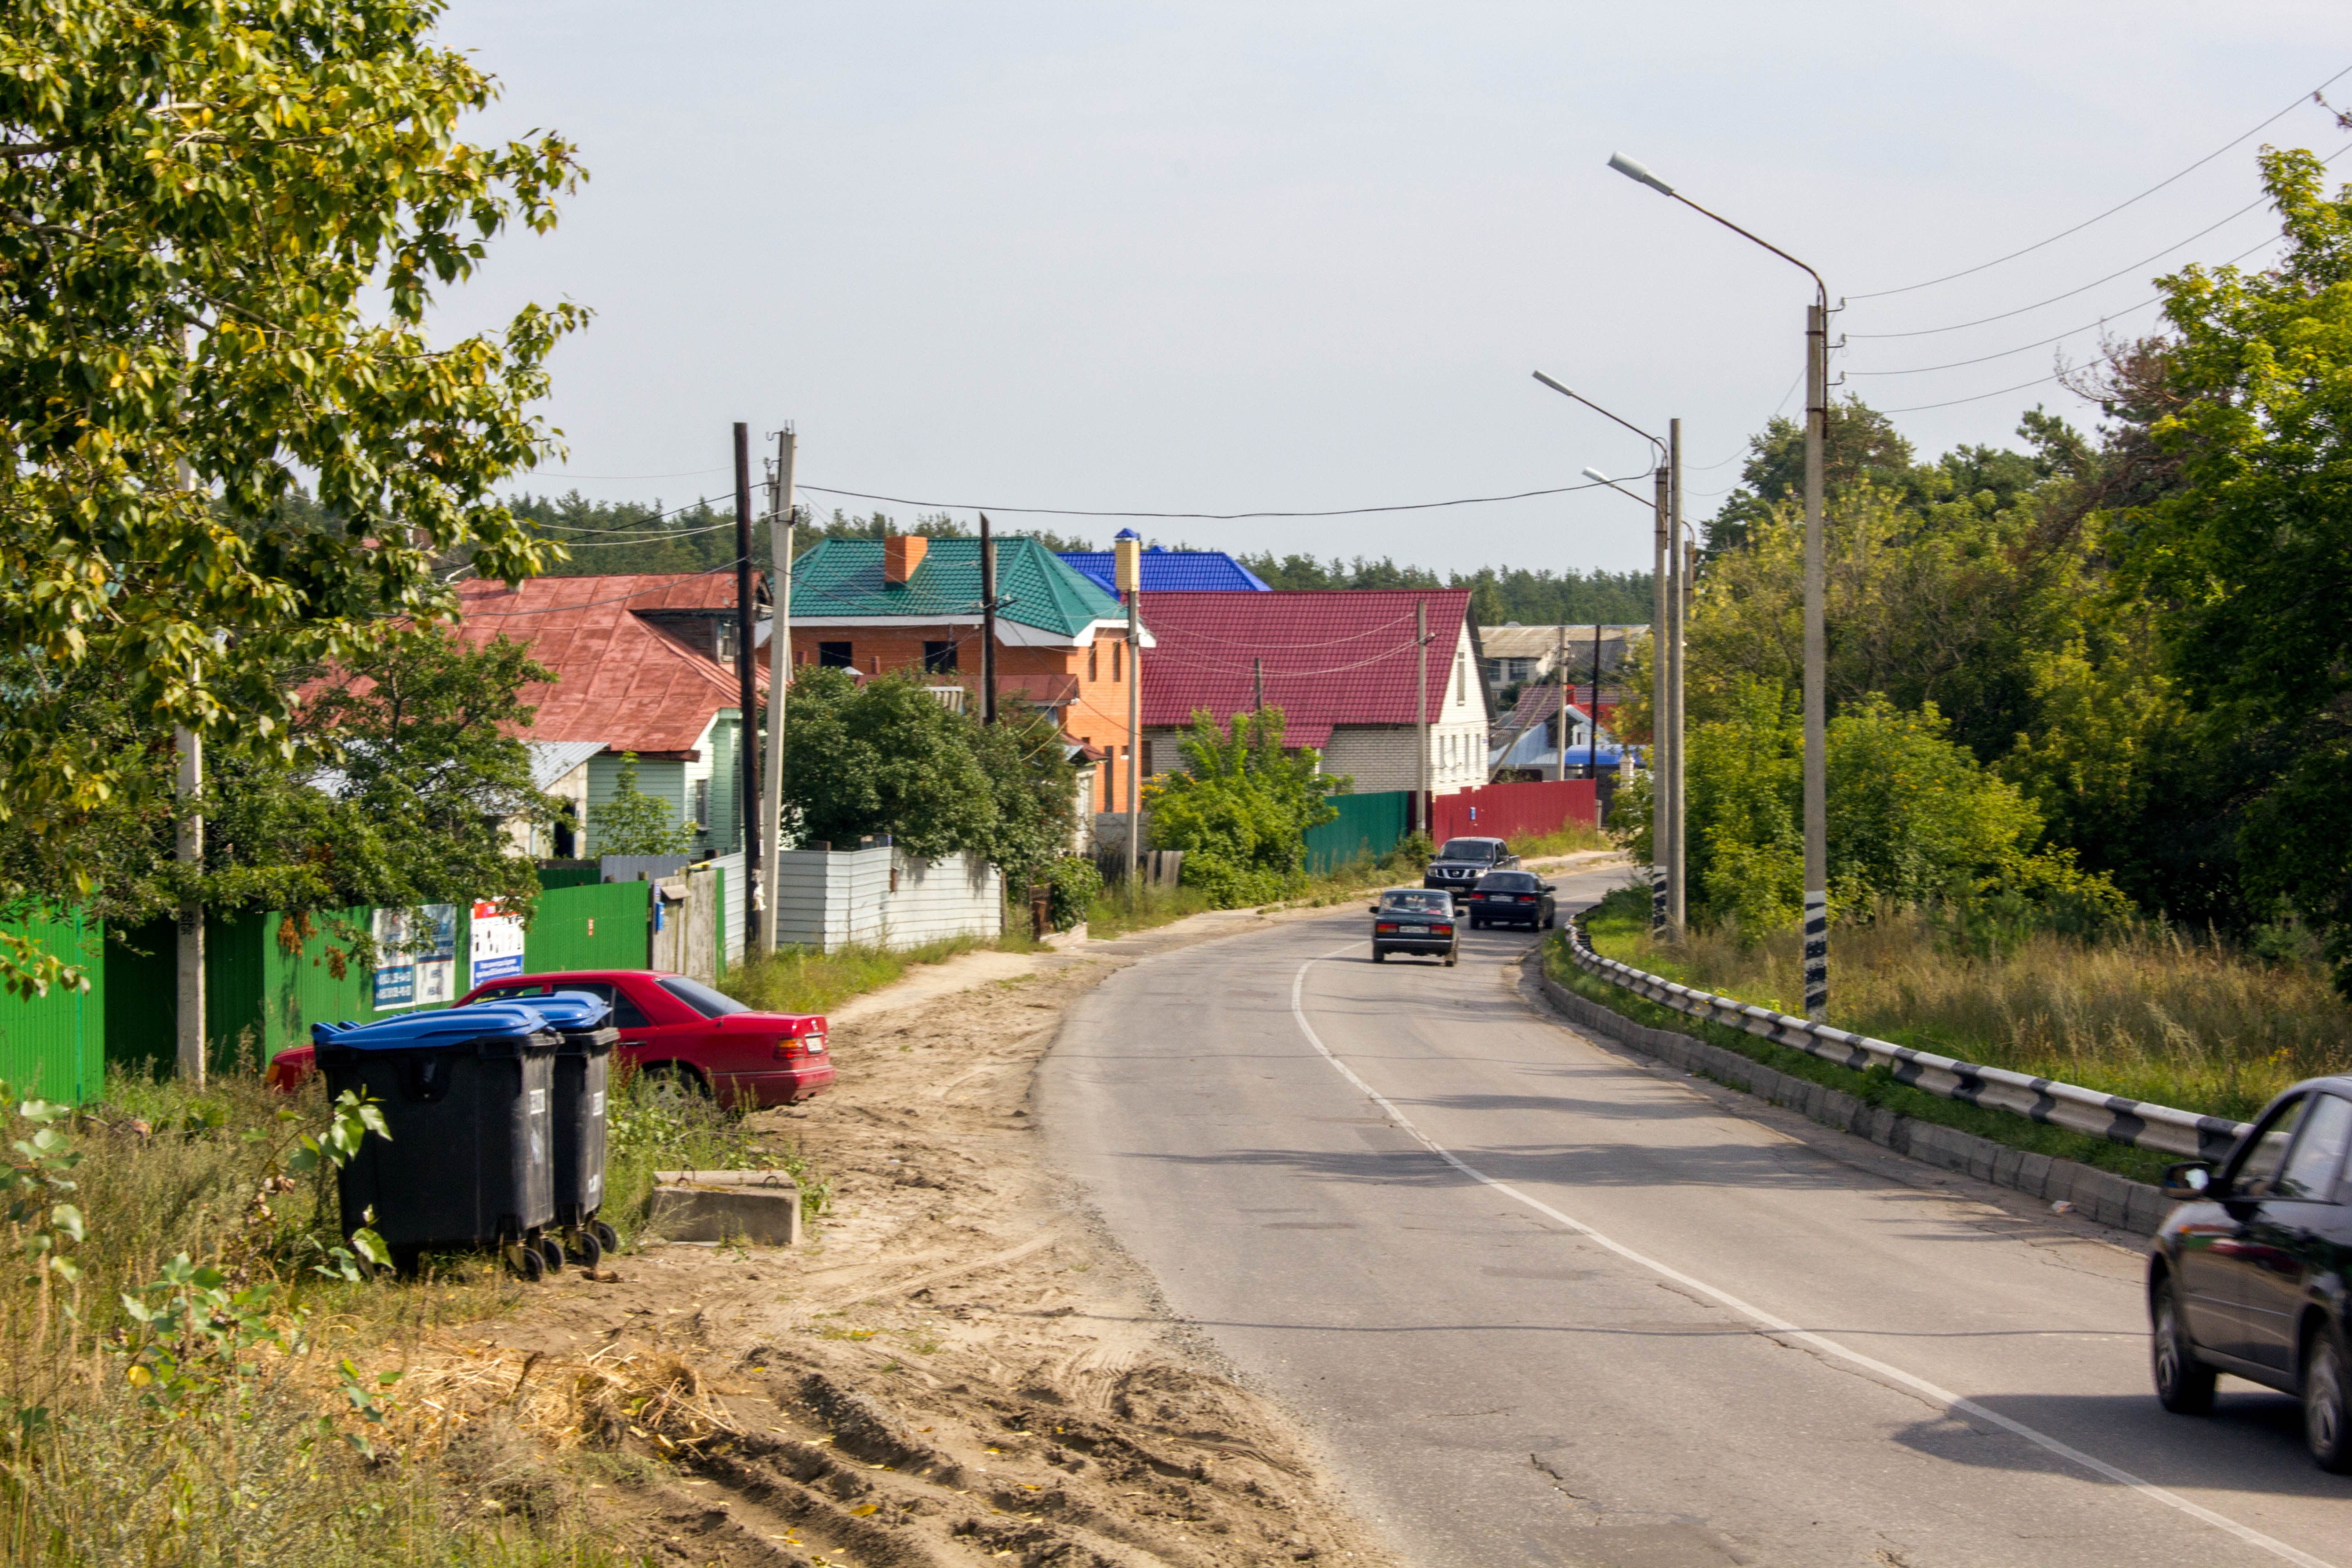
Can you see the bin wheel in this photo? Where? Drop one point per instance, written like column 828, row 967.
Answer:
column 551, row 1251
column 586, row 1250
column 525, row 1260
column 606, row 1236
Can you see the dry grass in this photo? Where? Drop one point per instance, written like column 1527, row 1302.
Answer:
column 1566, row 841
column 2152, row 1013
column 799, row 980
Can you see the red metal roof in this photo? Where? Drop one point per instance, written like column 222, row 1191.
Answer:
column 617, row 679
column 1331, row 658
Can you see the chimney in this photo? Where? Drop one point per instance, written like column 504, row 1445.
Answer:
column 901, row 553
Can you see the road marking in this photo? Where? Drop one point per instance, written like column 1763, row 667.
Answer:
column 1943, row 1396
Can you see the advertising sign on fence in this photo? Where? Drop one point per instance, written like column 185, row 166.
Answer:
column 494, row 945
column 415, row 967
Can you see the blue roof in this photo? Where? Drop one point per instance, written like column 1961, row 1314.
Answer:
column 1171, row 571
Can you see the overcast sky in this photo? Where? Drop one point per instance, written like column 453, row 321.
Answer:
column 1219, row 258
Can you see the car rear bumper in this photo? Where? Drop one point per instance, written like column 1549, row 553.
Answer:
column 1435, row 946
column 779, row 1088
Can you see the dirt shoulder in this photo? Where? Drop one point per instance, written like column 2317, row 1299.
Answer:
column 960, row 1366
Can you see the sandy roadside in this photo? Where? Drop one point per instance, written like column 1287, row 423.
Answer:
column 960, row 1366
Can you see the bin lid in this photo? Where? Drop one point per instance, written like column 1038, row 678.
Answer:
column 443, row 1027
column 570, row 1010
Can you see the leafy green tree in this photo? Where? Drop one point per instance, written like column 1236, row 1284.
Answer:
column 1034, row 787
column 883, row 756
column 635, row 823
column 1242, row 811
column 2251, row 559
column 224, row 231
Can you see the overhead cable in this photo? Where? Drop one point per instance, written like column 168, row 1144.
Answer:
column 2045, row 342
column 2297, row 102
column 1205, row 516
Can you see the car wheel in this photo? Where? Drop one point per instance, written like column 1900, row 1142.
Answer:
column 2327, row 1401
column 2184, row 1385
column 671, row 1086
column 1379, row 957
column 1450, row 958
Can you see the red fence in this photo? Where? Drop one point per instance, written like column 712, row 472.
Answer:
column 1506, row 810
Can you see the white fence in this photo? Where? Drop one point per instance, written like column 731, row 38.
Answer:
column 827, row 898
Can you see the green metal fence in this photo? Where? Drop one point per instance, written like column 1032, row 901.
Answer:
column 55, row 1045
column 1368, row 827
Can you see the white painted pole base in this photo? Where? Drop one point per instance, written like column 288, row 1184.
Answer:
column 1817, row 956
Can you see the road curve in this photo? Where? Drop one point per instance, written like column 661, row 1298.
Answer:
column 1544, row 1304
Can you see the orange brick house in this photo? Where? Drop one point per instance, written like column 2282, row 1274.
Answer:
column 912, row 604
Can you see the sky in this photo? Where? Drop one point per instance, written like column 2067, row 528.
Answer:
column 1218, row 258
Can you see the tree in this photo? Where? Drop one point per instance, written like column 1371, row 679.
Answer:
column 883, row 756
column 1034, row 786
column 2251, row 558
column 222, row 231
column 1860, row 445
column 1242, row 811
column 635, row 823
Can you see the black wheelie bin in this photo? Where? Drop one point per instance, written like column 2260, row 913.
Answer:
column 468, row 1094
column 582, row 1064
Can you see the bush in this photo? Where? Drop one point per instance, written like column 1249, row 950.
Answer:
column 1074, row 884
column 1241, row 812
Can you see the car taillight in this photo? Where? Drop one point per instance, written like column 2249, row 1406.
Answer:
column 791, row 1045
column 1527, row 898
column 1440, row 930
column 1384, row 926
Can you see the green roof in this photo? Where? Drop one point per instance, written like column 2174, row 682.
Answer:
column 842, row 579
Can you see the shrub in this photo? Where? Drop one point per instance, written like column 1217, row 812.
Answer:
column 1074, row 884
column 1241, row 812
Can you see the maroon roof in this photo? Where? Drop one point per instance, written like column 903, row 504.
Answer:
column 1330, row 657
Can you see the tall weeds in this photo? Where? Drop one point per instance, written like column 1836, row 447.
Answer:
column 2149, row 1011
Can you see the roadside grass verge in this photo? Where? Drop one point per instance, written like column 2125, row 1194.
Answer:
column 1566, row 841
column 2149, row 1013
column 653, row 1127
column 799, row 980
column 1122, row 908
column 187, row 1390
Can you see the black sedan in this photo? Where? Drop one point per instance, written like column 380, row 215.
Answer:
column 1461, row 861
column 1414, row 920
column 1511, row 897
column 2250, row 1275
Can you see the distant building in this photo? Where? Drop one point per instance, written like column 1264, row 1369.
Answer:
column 1172, row 570
column 1343, row 668
column 1516, row 655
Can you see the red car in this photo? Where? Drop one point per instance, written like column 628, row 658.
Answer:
column 674, row 1029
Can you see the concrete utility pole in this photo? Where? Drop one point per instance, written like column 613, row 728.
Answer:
column 1678, row 613
column 1817, row 876
column 1660, row 904
column 1559, row 693
column 1817, row 868
column 1420, row 714
column 779, row 674
column 189, row 851
column 987, row 622
column 1128, row 567
column 747, row 684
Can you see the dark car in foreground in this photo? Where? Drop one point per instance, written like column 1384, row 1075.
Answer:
column 2250, row 1275
column 677, row 1030
column 1461, row 861
column 1511, row 897
column 1414, row 921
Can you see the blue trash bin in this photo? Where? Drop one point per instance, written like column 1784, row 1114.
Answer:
column 582, row 1081
column 468, row 1095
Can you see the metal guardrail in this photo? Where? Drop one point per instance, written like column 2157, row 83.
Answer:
column 2067, row 1105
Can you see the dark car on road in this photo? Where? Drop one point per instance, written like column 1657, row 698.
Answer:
column 1510, row 898
column 1416, row 920
column 1461, row 861
column 2250, row 1275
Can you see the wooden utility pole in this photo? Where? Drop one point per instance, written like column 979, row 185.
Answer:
column 746, row 683
column 1420, row 714
column 1257, row 676
column 779, row 675
column 987, row 622
column 1592, row 735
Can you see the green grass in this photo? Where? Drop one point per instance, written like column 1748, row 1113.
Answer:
column 2149, row 1013
column 1566, row 841
column 798, row 980
column 650, row 1132
column 1138, row 905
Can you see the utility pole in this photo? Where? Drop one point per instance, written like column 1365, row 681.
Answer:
column 779, row 675
column 987, row 622
column 1677, row 891
column 1128, row 566
column 1420, row 714
column 189, row 850
column 1592, row 735
column 1817, row 868
column 1559, row 694
column 1659, row 902
column 747, row 685
column 1257, row 676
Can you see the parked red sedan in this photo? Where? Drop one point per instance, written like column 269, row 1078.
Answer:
column 671, row 1027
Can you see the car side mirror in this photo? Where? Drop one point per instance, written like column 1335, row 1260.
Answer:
column 2190, row 1181
column 1376, row 908
column 1548, row 888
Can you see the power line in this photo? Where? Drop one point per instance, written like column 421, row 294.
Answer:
column 1202, row 516
column 2045, row 342
column 2297, row 102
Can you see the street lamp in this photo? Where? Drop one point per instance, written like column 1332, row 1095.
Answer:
column 1817, row 878
column 1669, row 901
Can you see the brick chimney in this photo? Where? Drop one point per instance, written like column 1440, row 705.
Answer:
column 901, row 553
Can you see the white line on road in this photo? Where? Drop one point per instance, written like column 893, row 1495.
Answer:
column 1941, row 1395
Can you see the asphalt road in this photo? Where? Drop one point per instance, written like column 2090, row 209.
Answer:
column 1543, row 1304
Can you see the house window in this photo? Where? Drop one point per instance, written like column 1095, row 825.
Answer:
column 1114, row 661
column 702, row 803
column 834, row 656
column 1461, row 678
column 722, row 639
column 1094, row 659
column 940, row 658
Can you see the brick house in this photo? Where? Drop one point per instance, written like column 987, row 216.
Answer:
column 912, row 604
column 643, row 663
column 1343, row 666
